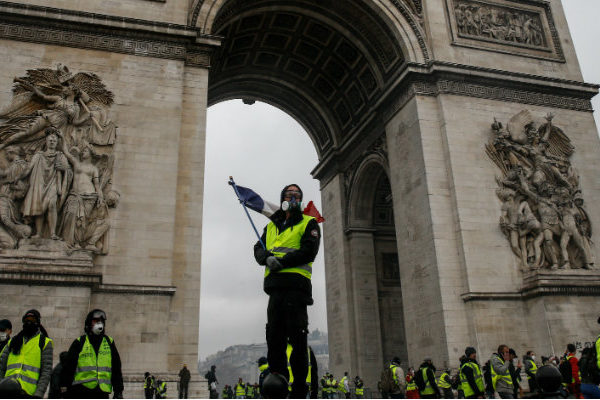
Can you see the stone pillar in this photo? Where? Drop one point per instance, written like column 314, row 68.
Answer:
column 184, row 308
column 430, row 267
column 340, row 306
column 363, row 282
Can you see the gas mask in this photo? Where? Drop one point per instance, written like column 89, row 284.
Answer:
column 292, row 204
column 98, row 328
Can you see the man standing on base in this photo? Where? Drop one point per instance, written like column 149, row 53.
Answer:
column 184, row 381
column 292, row 242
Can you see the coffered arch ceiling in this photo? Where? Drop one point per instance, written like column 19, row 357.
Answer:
column 324, row 62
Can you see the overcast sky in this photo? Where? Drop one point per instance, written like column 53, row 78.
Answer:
column 265, row 149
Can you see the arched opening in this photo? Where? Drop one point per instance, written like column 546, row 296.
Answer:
column 372, row 236
column 253, row 143
column 329, row 65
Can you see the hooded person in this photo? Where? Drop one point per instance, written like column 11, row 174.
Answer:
column 292, row 243
column 27, row 360
column 93, row 366
column 427, row 371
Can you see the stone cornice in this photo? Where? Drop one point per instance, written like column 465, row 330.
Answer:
column 50, row 275
column 546, row 283
column 135, row 289
column 107, row 33
column 439, row 78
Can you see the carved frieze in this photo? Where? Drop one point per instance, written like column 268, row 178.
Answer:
column 516, row 27
column 543, row 215
column 57, row 142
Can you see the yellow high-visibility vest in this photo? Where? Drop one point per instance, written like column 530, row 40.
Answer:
column 281, row 243
column 428, row 388
column 442, row 381
column 94, row 370
column 26, row 365
column 495, row 376
column 467, row 389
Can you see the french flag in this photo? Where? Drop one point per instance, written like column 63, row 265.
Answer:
column 253, row 201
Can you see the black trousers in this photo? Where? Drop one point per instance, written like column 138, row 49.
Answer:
column 287, row 321
column 183, row 390
column 149, row 393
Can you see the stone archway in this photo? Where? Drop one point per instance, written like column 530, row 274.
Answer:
column 329, row 65
column 420, row 82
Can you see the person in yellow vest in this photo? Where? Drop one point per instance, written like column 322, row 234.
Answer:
column 398, row 389
column 412, row 391
column 445, row 384
column 292, row 243
column 359, row 388
column 161, row 389
column 240, row 389
column 343, row 386
column 93, row 368
column 333, row 387
column 427, row 371
column 531, row 368
column 26, row 360
column 249, row 391
column 471, row 378
column 501, row 377
column 148, row 386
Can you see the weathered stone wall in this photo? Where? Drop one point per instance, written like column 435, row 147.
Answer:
column 155, row 236
column 171, row 11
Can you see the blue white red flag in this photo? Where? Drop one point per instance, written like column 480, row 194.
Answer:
column 253, row 201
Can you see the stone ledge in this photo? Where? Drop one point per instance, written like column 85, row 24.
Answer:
column 48, row 275
column 53, row 275
column 135, row 289
column 546, row 283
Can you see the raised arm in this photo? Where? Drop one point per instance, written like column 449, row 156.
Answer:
column 37, row 91
column 63, row 144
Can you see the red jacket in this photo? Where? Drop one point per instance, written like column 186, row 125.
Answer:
column 574, row 367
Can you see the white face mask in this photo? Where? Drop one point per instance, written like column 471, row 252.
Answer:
column 3, row 336
column 98, row 328
column 533, row 357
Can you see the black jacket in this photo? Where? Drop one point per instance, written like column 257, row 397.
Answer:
column 68, row 372
column 309, row 247
column 431, row 377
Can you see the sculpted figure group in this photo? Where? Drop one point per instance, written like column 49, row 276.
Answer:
column 57, row 143
column 503, row 24
column 542, row 204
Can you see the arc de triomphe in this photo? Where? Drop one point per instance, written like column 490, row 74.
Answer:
column 431, row 123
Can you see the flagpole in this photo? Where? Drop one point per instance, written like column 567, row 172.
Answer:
column 237, row 193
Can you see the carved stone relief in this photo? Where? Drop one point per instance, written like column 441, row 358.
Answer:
column 515, row 27
column 57, row 143
column 542, row 204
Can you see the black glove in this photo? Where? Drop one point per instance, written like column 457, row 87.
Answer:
column 261, row 256
column 274, row 264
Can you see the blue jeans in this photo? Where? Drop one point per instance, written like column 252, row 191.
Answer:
column 590, row 391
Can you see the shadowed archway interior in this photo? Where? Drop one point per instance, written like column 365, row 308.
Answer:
column 323, row 62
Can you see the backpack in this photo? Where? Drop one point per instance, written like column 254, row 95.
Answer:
column 565, row 370
column 388, row 384
column 588, row 365
column 419, row 380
